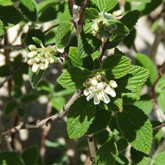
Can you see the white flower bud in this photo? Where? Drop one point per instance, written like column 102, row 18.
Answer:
column 32, row 47
column 94, row 82
column 42, row 66
column 113, row 84
column 51, row 60
column 37, row 59
column 117, row 13
column 35, row 68
column 30, row 61
column 30, row 54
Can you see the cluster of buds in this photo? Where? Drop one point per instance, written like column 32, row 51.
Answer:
column 98, row 89
column 103, row 27
column 41, row 58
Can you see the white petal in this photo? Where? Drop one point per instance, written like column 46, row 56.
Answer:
column 96, row 100
column 113, row 93
column 107, row 90
column 106, row 98
column 35, row 68
column 100, row 95
column 32, row 47
column 86, row 92
column 90, row 96
column 61, row 50
column 100, row 86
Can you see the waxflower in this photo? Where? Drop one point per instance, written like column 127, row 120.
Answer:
column 98, row 89
column 41, row 58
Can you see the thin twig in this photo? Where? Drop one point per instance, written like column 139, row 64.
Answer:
column 103, row 49
column 45, row 121
column 82, row 12
column 153, row 94
column 92, row 148
column 47, row 30
column 12, row 47
column 159, row 126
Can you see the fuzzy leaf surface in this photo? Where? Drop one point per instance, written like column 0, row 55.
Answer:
column 134, row 81
column 73, row 78
column 63, row 34
column 116, row 66
column 35, row 78
column 80, row 117
column 146, row 62
column 107, row 154
column 136, row 128
column 106, row 5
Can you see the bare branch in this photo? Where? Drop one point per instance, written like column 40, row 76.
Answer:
column 45, row 121
column 92, row 147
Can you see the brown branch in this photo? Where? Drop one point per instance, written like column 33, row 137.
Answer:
column 153, row 94
column 12, row 47
column 104, row 48
column 92, row 148
column 45, row 121
column 82, row 12
column 159, row 126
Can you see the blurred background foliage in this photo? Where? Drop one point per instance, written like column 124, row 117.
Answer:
column 20, row 20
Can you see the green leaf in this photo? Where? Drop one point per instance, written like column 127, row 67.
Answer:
column 146, row 62
column 161, row 100
column 144, row 161
column 107, row 154
column 120, row 32
column 130, row 38
column 9, row 15
column 160, row 85
column 33, row 34
column 130, row 18
column 29, row 9
column 138, row 76
column 31, row 155
column 80, row 117
column 106, row 5
column 159, row 159
column 5, row 70
column 58, row 103
column 73, row 57
column 102, row 119
column 136, row 128
column 145, row 104
column 29, row 98
column 11, row 106
column 91, row 13
column 48, row 14
column 2, row 29
column 35, row 78
column 11, row 158
column 7, row 2
column 116, row 66
column 73, row 78
column 36, row 40
column 63, row 34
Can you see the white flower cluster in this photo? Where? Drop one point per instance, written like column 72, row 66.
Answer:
column 40, row 58
column 99, row 90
